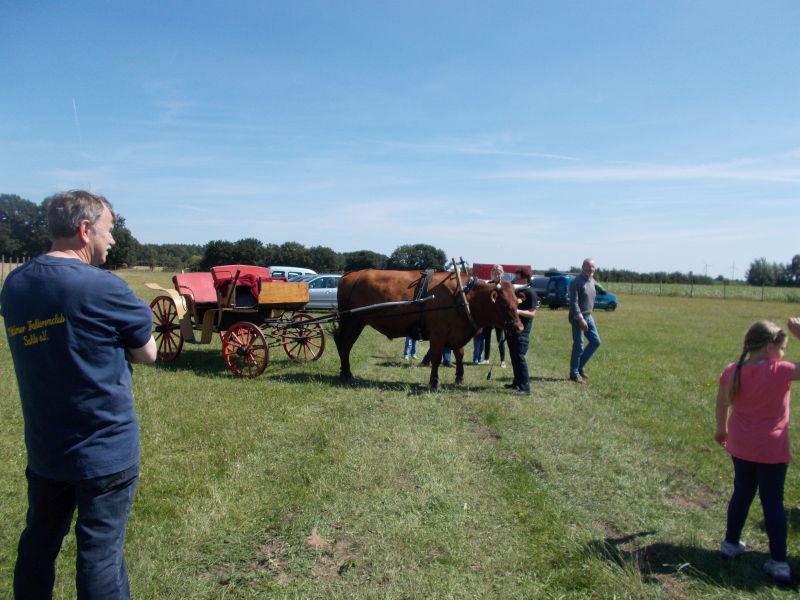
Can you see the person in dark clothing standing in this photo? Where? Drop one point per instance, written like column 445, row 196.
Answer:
column 518, row 344
column 73, row 331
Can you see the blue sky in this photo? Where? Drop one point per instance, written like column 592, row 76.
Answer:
column 649, row 135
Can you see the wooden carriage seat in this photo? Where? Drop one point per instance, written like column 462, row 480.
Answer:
column 248, row 285
column 198, row 290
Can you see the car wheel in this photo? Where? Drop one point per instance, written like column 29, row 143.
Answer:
column 612, row 306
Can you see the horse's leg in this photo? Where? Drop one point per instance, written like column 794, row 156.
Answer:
column 436, row 357
column 459, row 352
column 345, row 336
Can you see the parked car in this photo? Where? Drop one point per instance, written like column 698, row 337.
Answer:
column 558, row 292
column 539, row 285
column 322, row 289
column 604, row 300
column 484, row 270
column 289, row 272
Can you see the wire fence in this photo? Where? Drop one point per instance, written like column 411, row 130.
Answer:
column 722, row 290
column 8, row 264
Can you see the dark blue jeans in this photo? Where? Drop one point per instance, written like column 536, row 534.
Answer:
column 517, row 349
column 103, row 505
column 487, row 342
column 768, row 480
column 580, row 355
column 477, row 347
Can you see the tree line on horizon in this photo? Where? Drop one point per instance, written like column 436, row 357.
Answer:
column 23, row 234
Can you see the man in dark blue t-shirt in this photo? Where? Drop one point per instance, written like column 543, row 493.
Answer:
column 73, row 330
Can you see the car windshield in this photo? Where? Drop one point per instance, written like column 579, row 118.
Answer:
column 302, row 278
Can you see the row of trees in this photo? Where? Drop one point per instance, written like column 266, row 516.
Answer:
column 623, row 276
column 765, row 273
column 23, row 233
column 320, row 258
column 760, row 273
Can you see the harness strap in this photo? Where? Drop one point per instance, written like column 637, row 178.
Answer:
column 420, row 296
column 422, row 286
column 462, row 296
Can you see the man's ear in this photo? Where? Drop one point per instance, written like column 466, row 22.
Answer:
column 83, row 231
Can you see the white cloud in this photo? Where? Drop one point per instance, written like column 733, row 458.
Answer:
column 655, row 173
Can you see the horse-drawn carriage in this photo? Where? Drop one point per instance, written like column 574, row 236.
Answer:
column 251, row 311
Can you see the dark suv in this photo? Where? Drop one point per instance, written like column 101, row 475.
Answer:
column 558, row 294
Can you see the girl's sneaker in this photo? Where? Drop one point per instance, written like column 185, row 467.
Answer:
column 780, row 571
column 730, row 551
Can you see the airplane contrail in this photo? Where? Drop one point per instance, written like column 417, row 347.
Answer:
column 75, row 113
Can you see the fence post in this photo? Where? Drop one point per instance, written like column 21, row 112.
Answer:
column 691, row 285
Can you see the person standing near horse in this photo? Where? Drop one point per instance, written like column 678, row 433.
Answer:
column 73, row 330
column 518, row 343
column 497, row 276
column 753, row 402
column 410, row 348
column 581, row 303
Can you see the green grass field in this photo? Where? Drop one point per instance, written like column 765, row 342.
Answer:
column 293, row 485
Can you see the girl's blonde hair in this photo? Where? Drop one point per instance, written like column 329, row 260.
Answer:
column 759, row 335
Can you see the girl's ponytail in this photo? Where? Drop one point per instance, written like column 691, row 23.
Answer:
column 736, row 379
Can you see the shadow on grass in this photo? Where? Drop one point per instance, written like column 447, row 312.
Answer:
column 204, row 361
column 411, row 389
column 336, row 381
column 200, row 360
column 551, row 380
column 208, row 362
column 668, row 564
column 396, row 385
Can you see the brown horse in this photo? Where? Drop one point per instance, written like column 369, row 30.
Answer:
column 449, row 317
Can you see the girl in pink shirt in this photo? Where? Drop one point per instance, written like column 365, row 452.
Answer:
column 753, row 426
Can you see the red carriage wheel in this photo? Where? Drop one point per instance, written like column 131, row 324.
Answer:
column 245, row 350
column 166, row 328
column 303, row 342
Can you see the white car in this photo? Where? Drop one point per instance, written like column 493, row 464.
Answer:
column 322, row 290
column 289, row 272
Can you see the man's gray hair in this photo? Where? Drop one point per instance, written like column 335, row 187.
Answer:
column 66, row 211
